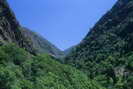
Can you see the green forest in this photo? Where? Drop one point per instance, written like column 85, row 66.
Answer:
column 21, row 70
column 102, row 60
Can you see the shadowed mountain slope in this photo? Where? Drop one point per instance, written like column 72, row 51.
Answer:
column 41, row 44
column 11, row 31
column 107, row 48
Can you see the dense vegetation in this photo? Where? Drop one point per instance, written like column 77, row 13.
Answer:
column 105, row 56
column 106, row 52
column 21, row 70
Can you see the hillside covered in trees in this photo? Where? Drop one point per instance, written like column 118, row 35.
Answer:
column 21, row 70
column 105, row 54
column 23, row 67
column 103, row 60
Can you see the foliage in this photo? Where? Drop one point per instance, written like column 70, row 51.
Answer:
column 21, row 70
column 105, row 54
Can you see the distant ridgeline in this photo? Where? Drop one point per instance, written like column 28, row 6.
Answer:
column 10, row 28
column 20, row 69
column 11, row 31
column 105, row 54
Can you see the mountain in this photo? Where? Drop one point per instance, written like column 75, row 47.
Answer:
column 105, row 54
column 103, row 60
column 21, row 70
column 69, row 50
column 41, row 44
column 10, row 28
column 23, row 67
column 12, row 32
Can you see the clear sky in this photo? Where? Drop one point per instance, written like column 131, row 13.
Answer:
column 63, row 22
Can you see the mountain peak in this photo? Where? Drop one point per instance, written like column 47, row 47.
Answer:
column 108, row 45
column 12, row 32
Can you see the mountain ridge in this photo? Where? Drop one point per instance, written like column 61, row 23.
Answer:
column 105, row 55
column 106, row 51
column 12, row 32
column 10, row 27
column 23, row 67
column 106, row 25
column 41, row 44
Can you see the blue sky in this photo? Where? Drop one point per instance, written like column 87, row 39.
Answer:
column 63, row 22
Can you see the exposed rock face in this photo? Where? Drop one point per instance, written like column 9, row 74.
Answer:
column 10, row 28
column 12, row 32
column 41, row 44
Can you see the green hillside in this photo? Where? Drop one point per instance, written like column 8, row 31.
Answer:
column 105, row 54
column 21, row 70
column 103, row 60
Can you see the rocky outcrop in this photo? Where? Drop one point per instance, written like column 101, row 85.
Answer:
column 10, row 29
column 12, row 32
column 41, row 44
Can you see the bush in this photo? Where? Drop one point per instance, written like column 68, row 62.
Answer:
column 21, row 70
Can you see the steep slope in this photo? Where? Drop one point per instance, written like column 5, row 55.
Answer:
column 107, row 48
column 69, row 50
column 10, row 28
column 21, row 70
column 41, row 44
column 12, row 32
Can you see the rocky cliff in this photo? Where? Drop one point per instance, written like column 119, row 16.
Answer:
column 42, row 45
column 12, row 32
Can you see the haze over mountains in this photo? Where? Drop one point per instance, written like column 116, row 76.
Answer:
column 103, row 60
